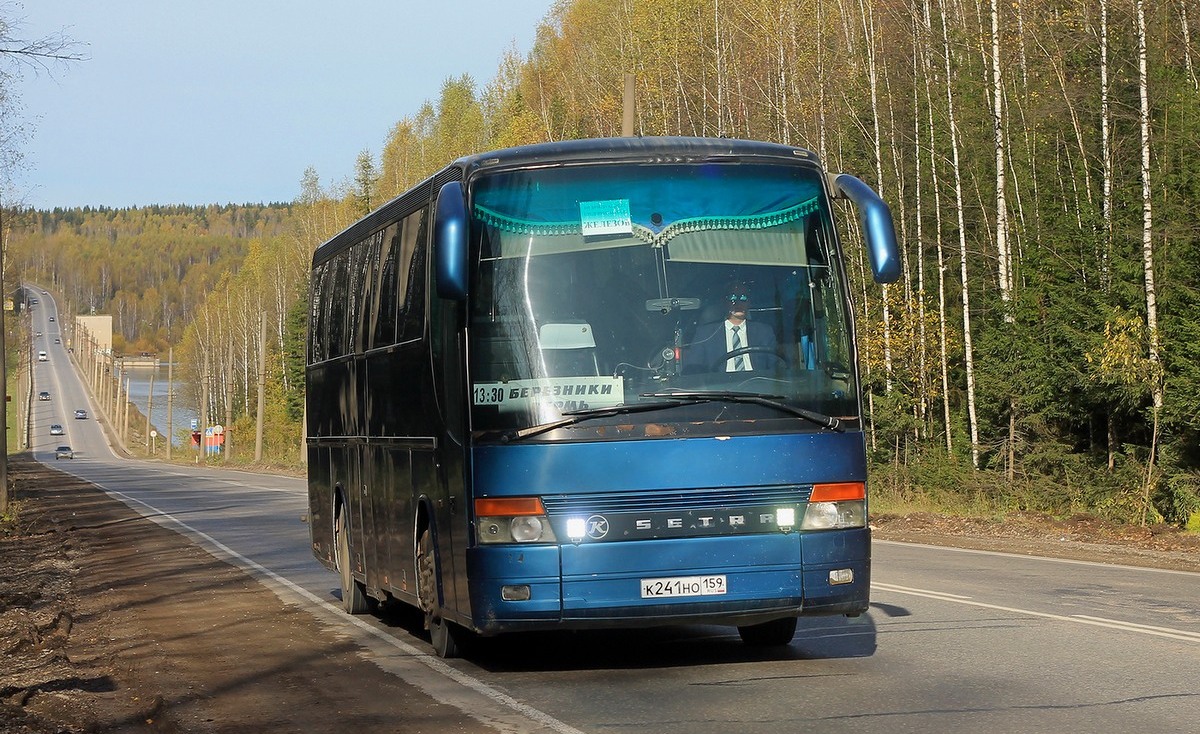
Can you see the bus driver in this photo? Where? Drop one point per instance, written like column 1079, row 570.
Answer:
column 734, row 336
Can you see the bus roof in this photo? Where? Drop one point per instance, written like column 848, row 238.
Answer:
column 666, row 149
column 601, row 149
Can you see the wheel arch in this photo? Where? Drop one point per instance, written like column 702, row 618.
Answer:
column 339, row 505
column 423, row 519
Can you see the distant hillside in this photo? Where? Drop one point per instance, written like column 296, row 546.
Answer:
column 150, row 267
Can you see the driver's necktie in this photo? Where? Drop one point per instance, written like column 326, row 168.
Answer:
column 739, row 362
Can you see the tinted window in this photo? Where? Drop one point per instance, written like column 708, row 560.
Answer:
column 316, row 315
column 412, row 275
column 338, row 286
column 386, row 285
column 362, row 275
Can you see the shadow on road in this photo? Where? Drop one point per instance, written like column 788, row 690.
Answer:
column 817, row 638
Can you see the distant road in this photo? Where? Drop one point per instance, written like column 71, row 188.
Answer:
column 956, row 640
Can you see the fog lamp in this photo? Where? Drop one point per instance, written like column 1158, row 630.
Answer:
column 576, row 527
column 515, row 592
column 841, row 576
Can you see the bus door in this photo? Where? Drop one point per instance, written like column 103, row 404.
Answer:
column 398, row 438
column 374, row 511
column 449, row 376
column 346, row 473
column 389, row 472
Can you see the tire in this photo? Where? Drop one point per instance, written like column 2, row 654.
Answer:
column 354, row 594
column 776, row 633
column 443, row 634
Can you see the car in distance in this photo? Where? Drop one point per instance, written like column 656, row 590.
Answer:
column 52, row 319
column 56, row 429
column 43, row 395
column 64, row 452
column 42, row 357
column 81, row 414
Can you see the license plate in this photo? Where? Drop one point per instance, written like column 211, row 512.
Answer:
column 683, row 586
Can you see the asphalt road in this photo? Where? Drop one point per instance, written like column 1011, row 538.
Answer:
column 955, row 640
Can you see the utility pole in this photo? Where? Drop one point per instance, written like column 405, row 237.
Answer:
column 125, row 434
column 170, row 401
column 227, row 434
column 203, row 408
column 628, row 110
column 262, row 386
column 150, row 407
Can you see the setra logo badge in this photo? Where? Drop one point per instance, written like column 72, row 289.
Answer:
column 597, row 527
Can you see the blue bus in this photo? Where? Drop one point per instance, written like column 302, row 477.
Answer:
column 596, row 384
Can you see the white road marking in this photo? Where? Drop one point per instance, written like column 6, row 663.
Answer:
column 1174, row 634
column 1125, row 625
column 329, row 613
column 1001, row 554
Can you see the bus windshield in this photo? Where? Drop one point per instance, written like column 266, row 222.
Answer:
column 660, row 299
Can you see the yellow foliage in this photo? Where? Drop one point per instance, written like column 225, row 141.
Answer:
column 1123, row 357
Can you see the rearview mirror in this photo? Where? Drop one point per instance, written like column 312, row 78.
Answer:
column 876, row 220
column 450, row 242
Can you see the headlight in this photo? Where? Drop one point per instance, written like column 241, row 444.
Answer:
column 512, row 520
column 527, row 529
column 835, row 515
column 522, row 529
column 835, row 506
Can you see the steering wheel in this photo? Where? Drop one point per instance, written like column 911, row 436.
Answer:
column 778, row 354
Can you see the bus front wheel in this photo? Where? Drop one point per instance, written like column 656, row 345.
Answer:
column 775, row 633
column 354, row 594
column 440, row 633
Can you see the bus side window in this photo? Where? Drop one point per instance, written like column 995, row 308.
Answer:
column 339, row 276
column 413, row 235
column 362, row 258
column 384, row 311
column 316, row 317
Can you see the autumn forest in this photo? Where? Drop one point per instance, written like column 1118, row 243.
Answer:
column 1041, row 351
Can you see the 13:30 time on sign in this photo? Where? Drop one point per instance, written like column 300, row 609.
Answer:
column 489, row 394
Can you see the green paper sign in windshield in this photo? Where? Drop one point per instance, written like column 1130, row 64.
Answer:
column 605, row 217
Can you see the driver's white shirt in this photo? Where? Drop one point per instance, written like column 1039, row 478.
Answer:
column 742, row 335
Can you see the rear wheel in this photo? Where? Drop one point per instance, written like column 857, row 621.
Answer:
column 354, row 594
column 441, row 633
column 775, row 633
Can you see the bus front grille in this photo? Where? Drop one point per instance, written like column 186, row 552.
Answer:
column 675, row 500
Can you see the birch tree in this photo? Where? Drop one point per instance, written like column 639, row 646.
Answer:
column 1003, row 257
column 959, row 206
column 1156, row 383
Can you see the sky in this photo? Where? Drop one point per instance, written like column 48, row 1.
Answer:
column 229, row 101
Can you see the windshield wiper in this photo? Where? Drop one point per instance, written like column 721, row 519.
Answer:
column 770, row 401
column 571, row 417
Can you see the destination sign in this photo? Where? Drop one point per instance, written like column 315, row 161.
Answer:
column 562, row 393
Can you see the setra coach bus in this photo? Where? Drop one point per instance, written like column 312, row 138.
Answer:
column 596, row 383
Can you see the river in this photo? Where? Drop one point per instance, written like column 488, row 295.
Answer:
column 182, row 415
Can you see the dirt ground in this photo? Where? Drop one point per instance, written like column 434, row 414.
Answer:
column 109, row 623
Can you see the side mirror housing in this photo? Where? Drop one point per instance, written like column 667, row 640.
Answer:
column 450, row 242
column 876, row 220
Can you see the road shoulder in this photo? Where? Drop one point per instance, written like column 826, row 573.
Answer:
column 111, row 623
